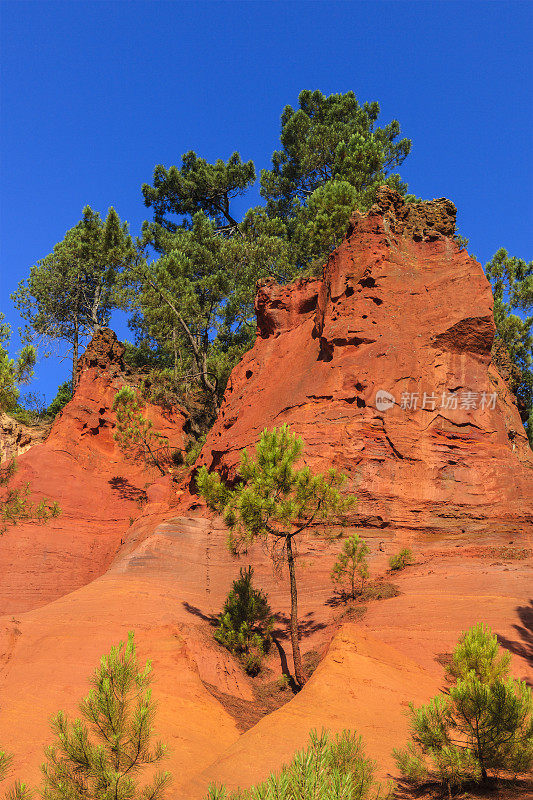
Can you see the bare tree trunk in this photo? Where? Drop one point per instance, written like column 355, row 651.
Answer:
column 296, row 655
column 75, row 345
column 175, row 348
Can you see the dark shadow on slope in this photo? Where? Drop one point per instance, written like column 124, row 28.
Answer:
column 212, row 619
column 306, row 627
column 522, row 647
column 126, row 490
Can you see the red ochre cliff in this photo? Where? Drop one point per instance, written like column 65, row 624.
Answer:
column 401, row 314
column 98, row 489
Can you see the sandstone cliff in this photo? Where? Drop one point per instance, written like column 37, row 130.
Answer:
column 384, row 367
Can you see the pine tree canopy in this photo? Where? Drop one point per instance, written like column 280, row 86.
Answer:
column 332, row 138
column 198, row 186
column 72, row 291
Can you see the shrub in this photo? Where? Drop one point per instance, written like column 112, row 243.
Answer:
column 17, row 507
column 245, row 624
column 329, row 768
column 351, row 562
column 484, row 723
column 402, row 559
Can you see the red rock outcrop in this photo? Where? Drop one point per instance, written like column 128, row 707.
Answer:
column 80, row 466
column 384, row 367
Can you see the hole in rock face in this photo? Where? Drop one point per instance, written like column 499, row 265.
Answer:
column 360, row 402
column 377, row 300
column 249, row 374
column 367, row 282
column 349, row 291
column 365, row 316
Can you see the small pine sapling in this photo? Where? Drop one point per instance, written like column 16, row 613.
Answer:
column 245, row 624
column 401, row 560
column 484, row 723
column 351, row 563
column 100, row 756
column 274, row 501
column 328, row 768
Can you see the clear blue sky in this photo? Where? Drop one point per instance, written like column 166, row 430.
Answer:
column 96, row 93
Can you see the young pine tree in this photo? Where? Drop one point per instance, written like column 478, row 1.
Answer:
column 275, row 501
column 335, row 769
column 484, row 723
column 245, row 624
column 99, row 756
column 134, row 433
column 351, row 563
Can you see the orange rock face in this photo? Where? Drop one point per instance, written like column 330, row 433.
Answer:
column 98, row 489
column 384, row 368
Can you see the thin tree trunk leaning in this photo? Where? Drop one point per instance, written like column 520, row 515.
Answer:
column 75, row 353
column 297, row 658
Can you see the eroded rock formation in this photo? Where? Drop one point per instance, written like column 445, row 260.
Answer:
column 81, row 467
column 384, row 367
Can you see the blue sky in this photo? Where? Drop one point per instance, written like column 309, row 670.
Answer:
column 94, row 94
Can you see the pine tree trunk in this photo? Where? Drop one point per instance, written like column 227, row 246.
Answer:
column 297, row 658
column 75, row 354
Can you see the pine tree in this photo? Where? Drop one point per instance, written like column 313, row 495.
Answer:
column 99, row 756
column 328, row 769
column 135, row 434
column 512, row 286
column 351, row 562
column 332, row 138
column 72, row 291
column 484, row 723
column 275, row 501
column 245, row 624
column 13, row 373
column 198, row 186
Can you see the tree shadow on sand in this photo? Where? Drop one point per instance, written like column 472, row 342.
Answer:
column 522, row 647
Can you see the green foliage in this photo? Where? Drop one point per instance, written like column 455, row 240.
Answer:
column 98, row 756
column 401, row 560
column 13, row 373
column 72, row 291
column 5, row 761
column 275, row 501
column 351, row 562
column 321, row 224
column 63, row 396
column 331, row 139
column 198, row 186
column 484, row 723
column 19, row 791
column 135, row 434
column 329, row 769
column 512, row 286
column 18, row 507
column 245, row 624
column 193, row 306
column 7, row 470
